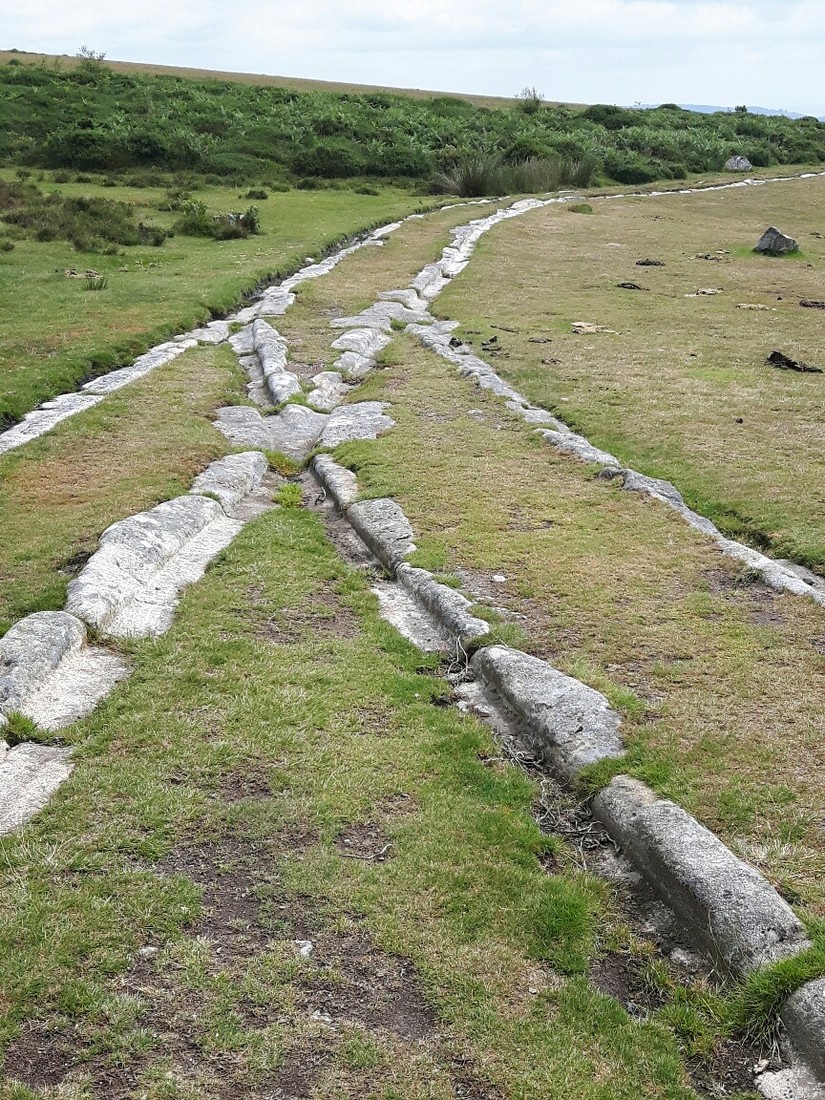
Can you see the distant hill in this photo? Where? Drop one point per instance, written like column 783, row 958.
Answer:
column 707, row 109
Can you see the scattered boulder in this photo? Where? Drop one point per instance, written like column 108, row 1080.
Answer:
column 630, row 286
column 774, row 243
column 784, row 362
column 811, row 303
column 650, row 263
column 754, row 306
column 585, row 328
column 738, row 164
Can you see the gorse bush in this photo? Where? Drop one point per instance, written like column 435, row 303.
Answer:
column 91, row 224
column 196, row 221
column 94, row 119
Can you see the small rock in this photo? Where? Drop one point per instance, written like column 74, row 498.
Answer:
column 499, row 578
column 305, row 948
column 738, row 164
column 585, row 328
column 650, row 263
column 710, row 290
column 774, row 243
column 321, row 1017
column 148, row 952
column 811, row 303
column 630, row 286
column 752, row 305
column 685, row 959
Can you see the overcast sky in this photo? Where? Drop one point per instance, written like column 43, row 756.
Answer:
column 768, row 53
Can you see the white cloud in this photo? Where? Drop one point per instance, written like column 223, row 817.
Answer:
column 761, row 51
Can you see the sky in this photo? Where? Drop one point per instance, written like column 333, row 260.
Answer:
column 767, row 53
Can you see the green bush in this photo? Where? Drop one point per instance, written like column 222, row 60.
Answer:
column 93, row 119
column 90, row 224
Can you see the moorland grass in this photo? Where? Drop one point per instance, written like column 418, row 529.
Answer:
column 681, row 389
column 718, row 678
column 146, row 442
column 256, row 740
column 57, row 334
column 141, row 445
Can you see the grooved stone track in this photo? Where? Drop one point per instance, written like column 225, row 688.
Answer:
column 130, row 588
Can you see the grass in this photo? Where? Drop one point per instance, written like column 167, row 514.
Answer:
column 57, row 334
column 145, row 443
column 717, row 678
column 141, row 445
column 206, row 822
column 739, row 439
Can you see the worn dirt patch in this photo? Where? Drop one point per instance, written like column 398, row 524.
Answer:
column 322, row 616
column 368, row 842
column 297, row 1077
column 356, row 982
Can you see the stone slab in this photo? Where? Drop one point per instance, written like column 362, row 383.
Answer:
column 156, row 357
column 330, row 390
column 47, row 416
column 135, row 564
column 347, row 423
column 232, row 478
column 731, row 909
column 244, row 426
column 568, row 724
column 31, row 650
column 340, row 484
column 449, row 607
column 29, row 776
column 385, row 529
column 804, row 1019
column 295, row 430
column 366, row 342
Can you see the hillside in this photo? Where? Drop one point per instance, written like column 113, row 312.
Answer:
column 93, row 117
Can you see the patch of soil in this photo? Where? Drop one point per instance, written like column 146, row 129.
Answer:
column 71, row 567
column 467, row 1086
column 39, row 1056
column 356, row 981
column 238, row 786
column 367, row 842
column 322, row 616
column 755, row 596
column 618, row 976
column 728, row 1071
column 231, row 873
column 296, row 1078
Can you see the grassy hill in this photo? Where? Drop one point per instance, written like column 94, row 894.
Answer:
column 263, row 80
column 111, row 117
